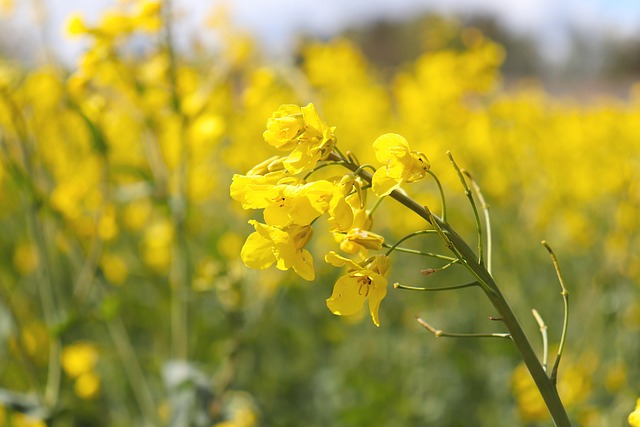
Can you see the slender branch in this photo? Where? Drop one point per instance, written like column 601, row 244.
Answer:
column 408, row 236
column 565, row 323
column 487, row 218
column 443, row 288
column 375, row 206
column 518, row 336
column 416, row 252
column 440, row 333
column 25, row 359
column 321, row 166
column 444, row 200
column 545, row 341
column 467, row 192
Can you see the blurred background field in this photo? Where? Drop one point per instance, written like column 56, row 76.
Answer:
column 123, row 299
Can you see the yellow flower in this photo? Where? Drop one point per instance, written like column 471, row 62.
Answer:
column 634, row 417
column 400, row 164
column 79, row 358
column 284, row 247
column 314, row 144
column 348, row 243
column 283, row 204
column 299, row 129
column 360, row 283
column 284, row 126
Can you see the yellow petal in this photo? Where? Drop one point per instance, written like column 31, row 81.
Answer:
column 377, row 292
column 382, row 183
column 340, row 261
column 257, row 252
column 389, row 146
column 346, row 298
column 303, row 265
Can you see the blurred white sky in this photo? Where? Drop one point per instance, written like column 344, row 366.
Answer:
column 276, row 21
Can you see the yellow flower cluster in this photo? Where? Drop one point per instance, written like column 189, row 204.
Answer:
column 291, row 204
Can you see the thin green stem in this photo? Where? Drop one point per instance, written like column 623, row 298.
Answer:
column 543, row 333
column 375, row 206
column 342, row 157
column 416, row 252
column 137, row 380
column 440, row 333
column 362, row 167
column 444, row 200
column 489, row 286
column 565, row 322
column 408, row 236
column 467, row 192
column 180, row 275
column 26, row 361
column 321, row 166
column 442, row 288
column 487, row 218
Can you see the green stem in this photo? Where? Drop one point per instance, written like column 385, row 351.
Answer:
column 545, row 340
column 440, row 333
column 444, row 200
column 442, row 288
column 180, row 275
column 487, row 218
column 416, row 252
column 545, row 386
column 565, row 323
column 467, row 192
column 408, row 236
column 139, row 385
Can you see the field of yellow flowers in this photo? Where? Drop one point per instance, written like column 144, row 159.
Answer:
column 124, row 298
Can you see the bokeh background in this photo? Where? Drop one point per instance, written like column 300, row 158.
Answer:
column 123, row 299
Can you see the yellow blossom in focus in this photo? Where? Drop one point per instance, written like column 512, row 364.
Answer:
column 284, row 247
column 284, row 126
column 360, row 283
column 400, row 164
column 79, row 358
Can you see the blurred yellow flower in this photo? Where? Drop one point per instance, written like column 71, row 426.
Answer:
column 75, row 25
column 634, row 417
column 87, row 385
column 79, row 358
column 114, row 267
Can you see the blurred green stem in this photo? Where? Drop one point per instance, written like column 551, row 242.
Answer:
column 180, row 276
column 44, row 278
column 26, row 361
column 459, row 247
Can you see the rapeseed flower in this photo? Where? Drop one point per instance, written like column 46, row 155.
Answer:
column 400, row 164
column 360, row 283
column 282, row 246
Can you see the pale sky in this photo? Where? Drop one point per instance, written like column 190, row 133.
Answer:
column 276, row 21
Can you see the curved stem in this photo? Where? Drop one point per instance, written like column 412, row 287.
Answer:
column 565, row 323
column 416, row 252
column 440, row 333
column 443, row 288
column 487, row 218
column 408, row 236
column 545, row 386
column 444, row 200
column 467, row 192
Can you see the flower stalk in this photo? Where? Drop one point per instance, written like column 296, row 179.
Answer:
column 460, row 248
